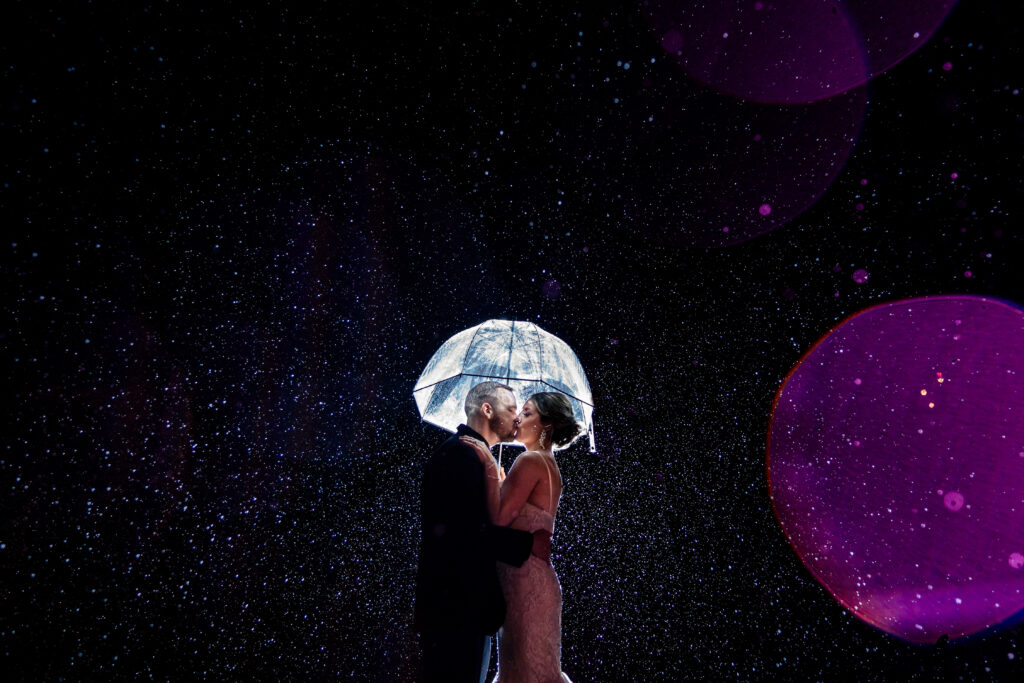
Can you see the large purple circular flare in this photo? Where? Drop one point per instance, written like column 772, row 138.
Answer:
column 896, row 464
column 793, row 51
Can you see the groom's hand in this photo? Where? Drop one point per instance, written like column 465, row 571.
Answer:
column 542, row 544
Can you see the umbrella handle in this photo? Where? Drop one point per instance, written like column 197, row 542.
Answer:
column 593, row 447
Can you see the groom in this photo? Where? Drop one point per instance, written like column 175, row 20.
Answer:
column 459, row 603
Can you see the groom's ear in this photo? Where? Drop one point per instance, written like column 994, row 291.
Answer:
column 486, row 410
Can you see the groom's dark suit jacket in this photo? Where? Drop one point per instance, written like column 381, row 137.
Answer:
column 457, row 582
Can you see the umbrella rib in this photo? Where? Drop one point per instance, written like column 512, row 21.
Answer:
column 536, row 380
column 563, row 391
column 470, row 346
column 508, row 363
column 540, row 351
column 434, row 384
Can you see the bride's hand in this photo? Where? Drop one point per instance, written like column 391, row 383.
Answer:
column 501, row 475
column 482, row 451
column 492, row 477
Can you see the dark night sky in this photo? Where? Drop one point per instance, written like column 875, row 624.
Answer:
column 235, row 236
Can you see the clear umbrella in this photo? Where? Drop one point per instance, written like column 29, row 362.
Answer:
column 516, row 353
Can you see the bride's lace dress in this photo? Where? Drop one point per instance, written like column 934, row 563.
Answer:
column 530, row 642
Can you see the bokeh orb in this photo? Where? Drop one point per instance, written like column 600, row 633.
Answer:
column 711, row 171
column 895, row 468
column 794, row 51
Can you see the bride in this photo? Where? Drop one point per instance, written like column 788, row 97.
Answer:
column 530, row 642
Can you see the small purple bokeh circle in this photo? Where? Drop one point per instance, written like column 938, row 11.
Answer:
column 551, row 289
column 894, row 466
column 953, row 501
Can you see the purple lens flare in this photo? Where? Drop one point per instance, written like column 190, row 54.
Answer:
column 791, row 52
column 896, row 464
column 710, row 171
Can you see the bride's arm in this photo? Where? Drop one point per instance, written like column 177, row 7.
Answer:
column 517, row 487
column 491, row 475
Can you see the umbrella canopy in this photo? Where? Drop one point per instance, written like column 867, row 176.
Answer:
column 512, row 352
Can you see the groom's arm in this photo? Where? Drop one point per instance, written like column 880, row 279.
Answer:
column 511, row 546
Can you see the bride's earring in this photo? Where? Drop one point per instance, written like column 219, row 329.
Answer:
column 543, row 439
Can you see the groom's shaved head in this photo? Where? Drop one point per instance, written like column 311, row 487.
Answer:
column 485, row 392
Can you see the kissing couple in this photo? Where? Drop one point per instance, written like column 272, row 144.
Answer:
column 485, row 554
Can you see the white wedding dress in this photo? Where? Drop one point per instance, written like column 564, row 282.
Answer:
column 530, row 642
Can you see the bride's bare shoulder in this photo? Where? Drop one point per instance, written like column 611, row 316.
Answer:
column 534, row 462
column 530, row 459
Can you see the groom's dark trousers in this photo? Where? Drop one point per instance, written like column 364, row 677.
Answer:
column 459, row 603
column 455, row 655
